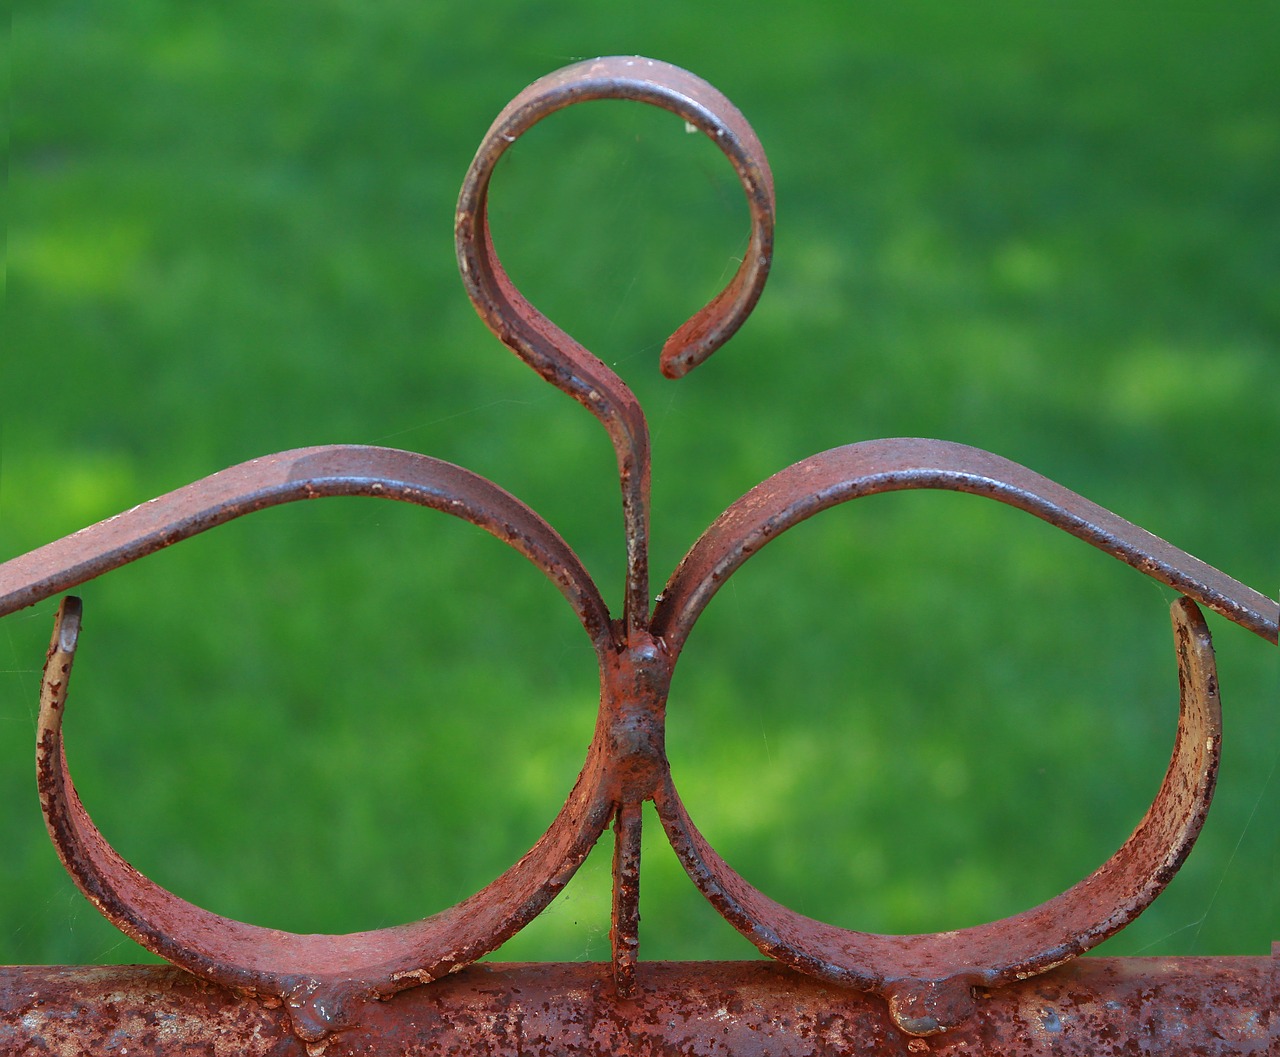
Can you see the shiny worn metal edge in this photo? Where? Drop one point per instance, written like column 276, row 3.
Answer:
column 1093, row 1006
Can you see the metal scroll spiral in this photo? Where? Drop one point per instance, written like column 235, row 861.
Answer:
column 927, row 980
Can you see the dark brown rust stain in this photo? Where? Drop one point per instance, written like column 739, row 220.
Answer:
column 941, row 992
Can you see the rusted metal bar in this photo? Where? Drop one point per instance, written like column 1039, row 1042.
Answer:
column 1094, row 1007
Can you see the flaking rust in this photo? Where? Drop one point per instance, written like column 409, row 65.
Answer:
column 1094, row 1007
column 1009, row 986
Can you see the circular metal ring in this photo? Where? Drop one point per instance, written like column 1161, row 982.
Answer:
column 323, row 978
column 557, row 357
column 522, row 327
column 928, row 979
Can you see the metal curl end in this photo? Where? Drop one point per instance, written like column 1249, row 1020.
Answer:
column 551, row 352
column 57, row 668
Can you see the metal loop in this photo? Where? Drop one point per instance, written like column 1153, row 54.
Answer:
column 512, row 318
column 928, row 979
column 549, row 350
column 323, row 978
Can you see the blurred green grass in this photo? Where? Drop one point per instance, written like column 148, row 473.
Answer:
column 1050, row 232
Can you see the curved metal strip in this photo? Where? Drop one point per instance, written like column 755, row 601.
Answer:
column 511, row 317
column 324, row 979
column 549, row 350
column 928, row 979
column 875, row 466
column 305, row 473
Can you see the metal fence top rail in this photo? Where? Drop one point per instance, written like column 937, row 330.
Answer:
column 328, row 987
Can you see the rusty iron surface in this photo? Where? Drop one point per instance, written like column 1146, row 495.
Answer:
column 928, row 993
column 549, row 350
column 929, row 980
column 1094, row 1007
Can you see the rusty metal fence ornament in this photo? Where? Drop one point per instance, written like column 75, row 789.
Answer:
column 330, row 989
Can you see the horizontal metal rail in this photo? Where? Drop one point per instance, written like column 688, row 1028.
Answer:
column 1091, row 1008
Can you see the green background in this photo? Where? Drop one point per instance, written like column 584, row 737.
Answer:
column 1051, row 231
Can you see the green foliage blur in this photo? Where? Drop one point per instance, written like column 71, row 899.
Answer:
column 1051, row 231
